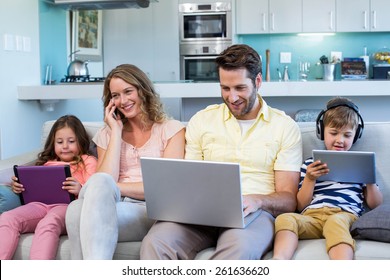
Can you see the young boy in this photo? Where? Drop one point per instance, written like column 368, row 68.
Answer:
column 327, row 209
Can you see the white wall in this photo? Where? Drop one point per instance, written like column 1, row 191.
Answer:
column 18, row 120
column 21, row 121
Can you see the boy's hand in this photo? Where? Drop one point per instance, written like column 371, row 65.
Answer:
column 316, row 170
column 16, row 186
column 72, row 185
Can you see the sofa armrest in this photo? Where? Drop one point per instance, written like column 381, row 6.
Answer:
column 6, row 165
column 8, row 199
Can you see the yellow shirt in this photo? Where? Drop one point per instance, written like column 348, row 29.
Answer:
column 273, row 142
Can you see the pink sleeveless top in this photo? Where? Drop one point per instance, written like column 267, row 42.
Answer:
column 130, row 167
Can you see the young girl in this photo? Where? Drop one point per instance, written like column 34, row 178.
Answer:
column 67, row 143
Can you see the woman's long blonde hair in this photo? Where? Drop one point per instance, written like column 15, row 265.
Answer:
column 151, row 107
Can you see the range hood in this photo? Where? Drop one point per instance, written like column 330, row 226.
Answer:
column 75, row 5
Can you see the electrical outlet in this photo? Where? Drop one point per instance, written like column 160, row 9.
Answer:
column 336, row 56
column 285, row 57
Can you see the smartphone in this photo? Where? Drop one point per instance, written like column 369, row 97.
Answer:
column 115, row 114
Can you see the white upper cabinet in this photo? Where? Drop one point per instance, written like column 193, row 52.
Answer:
column 252, row 16
column 285, row 16
column 319, row 15
column 379, row 15
column 294, row 16
column 353, row 15
column 268, row 16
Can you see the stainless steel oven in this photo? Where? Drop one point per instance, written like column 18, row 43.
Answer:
column 205, row 22
column 205, row 31
column 197, row 61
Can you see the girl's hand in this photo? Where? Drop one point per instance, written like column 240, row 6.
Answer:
column 16, row 186
column 110, row 118
column 72, row 185
column 316, row 170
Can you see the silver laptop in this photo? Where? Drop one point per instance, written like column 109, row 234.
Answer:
column 194, row 192
column 348, row 166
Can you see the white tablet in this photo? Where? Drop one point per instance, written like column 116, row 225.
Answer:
column 348, row 166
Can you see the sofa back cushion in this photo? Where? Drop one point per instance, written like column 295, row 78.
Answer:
column 375, row 138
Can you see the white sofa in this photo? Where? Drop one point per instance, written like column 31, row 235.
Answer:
column 375, row 138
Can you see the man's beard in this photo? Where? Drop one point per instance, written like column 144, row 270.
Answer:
column 248, row 106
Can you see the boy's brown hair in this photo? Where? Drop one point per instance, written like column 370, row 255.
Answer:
column 340, row 116
column 340, row 112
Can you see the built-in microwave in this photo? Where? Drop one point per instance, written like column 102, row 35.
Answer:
column 197, row 61
column 205, row 22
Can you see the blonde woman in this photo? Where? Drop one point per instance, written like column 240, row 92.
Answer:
column 111, row 207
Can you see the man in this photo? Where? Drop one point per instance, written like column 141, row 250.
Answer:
column 267, row 144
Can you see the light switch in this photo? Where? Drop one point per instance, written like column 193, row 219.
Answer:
column 19, row 43
column 26, row 44
column 285, row 57
column 9, row 43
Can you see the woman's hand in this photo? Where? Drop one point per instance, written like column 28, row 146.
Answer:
column 72, row 185
column 110, row 118
column 16, row 186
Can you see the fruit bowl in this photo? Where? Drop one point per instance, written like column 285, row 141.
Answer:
column 382, row 56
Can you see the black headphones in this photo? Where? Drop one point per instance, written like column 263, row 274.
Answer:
column 346, row 103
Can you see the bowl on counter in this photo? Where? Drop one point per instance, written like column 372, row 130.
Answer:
column 381, row 56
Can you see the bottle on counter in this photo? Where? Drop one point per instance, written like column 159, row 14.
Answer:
column 366, row 59
column 286, row 76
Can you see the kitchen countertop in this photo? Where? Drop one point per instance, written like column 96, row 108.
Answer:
column 204, row 90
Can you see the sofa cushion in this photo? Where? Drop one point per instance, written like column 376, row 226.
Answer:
column 8, row 199
column 373, row 225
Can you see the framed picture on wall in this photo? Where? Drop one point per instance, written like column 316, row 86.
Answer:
column 87, row 35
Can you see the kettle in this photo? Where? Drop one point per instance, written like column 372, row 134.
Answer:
column 78, row 68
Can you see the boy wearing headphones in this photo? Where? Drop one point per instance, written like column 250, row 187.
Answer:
column 327, row 209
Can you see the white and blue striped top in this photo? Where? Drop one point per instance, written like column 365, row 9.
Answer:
column 346, row 196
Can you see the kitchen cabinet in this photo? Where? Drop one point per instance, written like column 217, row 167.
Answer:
column 319, row 15
column 268, row 16
column 147, row 38
column 379, row 16
column 285, row 17
column 252, row 17
column 353, row 15
column 362, row 15
column 294, row 16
